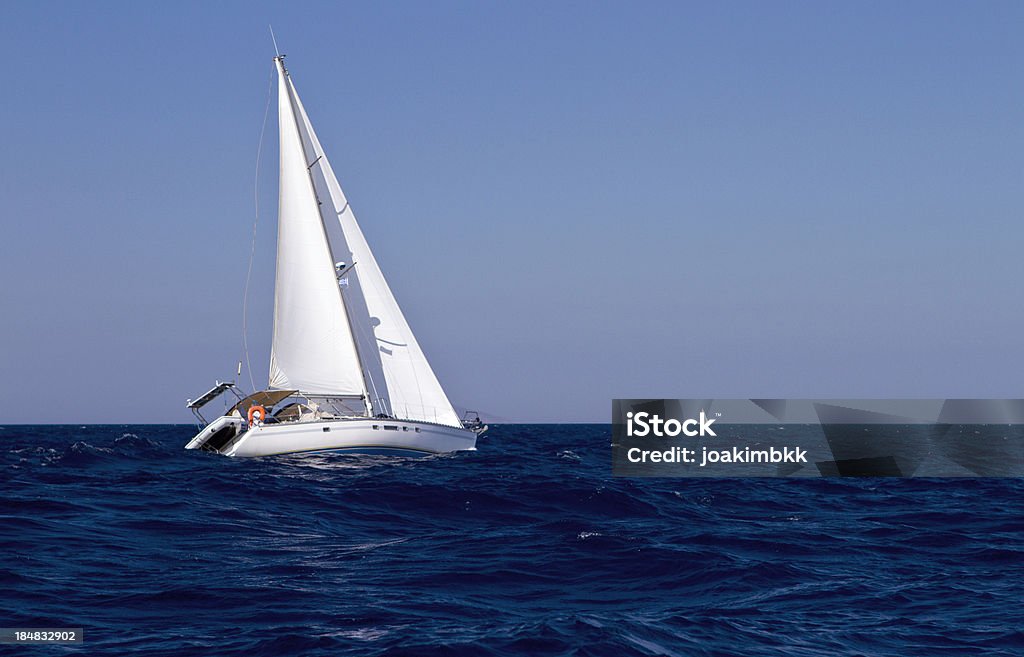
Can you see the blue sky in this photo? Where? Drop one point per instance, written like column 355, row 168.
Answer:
column 572, row 201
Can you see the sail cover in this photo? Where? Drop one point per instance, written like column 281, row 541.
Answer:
column 313, row 349
column 410, row 388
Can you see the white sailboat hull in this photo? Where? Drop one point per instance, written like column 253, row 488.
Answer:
column 361, row 436
column 228, row 424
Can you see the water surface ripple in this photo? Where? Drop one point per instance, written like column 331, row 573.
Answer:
column 526, row 547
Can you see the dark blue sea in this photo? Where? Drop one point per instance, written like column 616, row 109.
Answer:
column 527, row 546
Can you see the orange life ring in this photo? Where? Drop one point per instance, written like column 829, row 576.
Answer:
column 257, row 410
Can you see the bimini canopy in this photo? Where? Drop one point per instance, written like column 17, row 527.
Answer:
column 265, row 398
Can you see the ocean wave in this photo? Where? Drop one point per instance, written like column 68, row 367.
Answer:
column 527, row 546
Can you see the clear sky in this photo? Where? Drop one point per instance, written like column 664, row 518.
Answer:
column 572, row 201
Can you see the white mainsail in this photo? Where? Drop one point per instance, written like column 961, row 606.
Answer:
column 410, row 388
column 313, row 349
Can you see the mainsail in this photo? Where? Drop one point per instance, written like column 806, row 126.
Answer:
column 391, row 365
column 313, row 349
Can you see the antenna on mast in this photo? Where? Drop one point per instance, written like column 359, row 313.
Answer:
column 276, row 51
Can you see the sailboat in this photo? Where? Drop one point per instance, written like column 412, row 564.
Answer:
column 346, row 371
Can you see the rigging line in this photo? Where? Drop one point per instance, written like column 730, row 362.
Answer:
column 274, row 39
column 252, row 248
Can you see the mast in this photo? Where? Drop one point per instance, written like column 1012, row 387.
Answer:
column 319, row 207
column 313, row 350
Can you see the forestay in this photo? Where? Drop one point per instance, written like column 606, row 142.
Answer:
column 409, row 388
